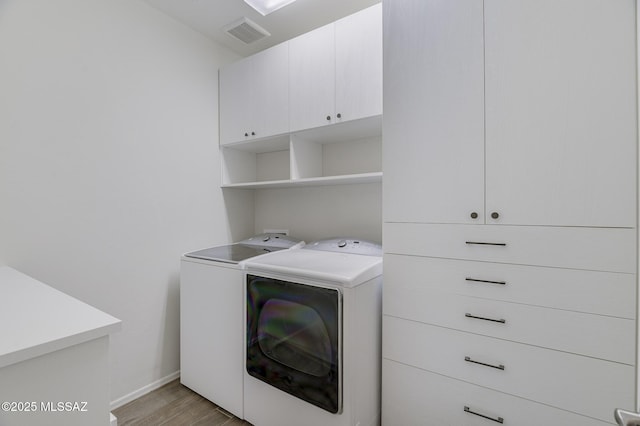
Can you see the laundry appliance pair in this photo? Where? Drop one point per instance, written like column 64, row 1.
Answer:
column 301, row 335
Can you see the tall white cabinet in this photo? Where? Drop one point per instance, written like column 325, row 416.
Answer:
column 434, row 118
column 530, row 112
column 560, row 100
column 509, row 156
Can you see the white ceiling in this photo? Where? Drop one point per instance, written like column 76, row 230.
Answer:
column 210, row 16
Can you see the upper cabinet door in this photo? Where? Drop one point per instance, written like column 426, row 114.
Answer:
column 433, row 121
column 359, row 64
column 312, row 79
column 270, row 77
column 235, row 101
column 561, row 112
column 254, row 96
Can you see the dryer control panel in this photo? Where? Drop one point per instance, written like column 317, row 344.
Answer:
column 347, row 245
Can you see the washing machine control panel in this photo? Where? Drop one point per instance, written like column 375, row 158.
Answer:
column 347, row 245
column 272, row 240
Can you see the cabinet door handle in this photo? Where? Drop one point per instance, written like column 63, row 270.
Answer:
column 481, row 243
column 493, row 419
column 486, row 281
column 497, row 367
column 339, row 115
column 328, row 118
column 253, row 133
column 246, row 134
column 501, row 321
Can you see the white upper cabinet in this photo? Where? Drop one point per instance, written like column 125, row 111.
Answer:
column 561, row 112
column 359, row 64
column 529, row 120
column 275, row 107
column 336, row 71
column 312, row 78
column 254, row 96
column 433, row 122
column 235, row 94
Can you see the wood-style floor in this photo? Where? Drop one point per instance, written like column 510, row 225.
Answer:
column 174, row 404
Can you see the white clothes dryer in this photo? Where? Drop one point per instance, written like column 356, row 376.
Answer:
column 313, row 335
column 211, row 317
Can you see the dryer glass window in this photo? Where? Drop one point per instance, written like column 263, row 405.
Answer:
column 293, row 339
column 294, row 335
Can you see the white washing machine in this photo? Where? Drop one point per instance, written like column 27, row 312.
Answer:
column 313, row 335
column 211, row 317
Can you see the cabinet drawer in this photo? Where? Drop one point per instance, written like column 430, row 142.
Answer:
column 599, row 249
column 604, row 293
column 607, row 338
column 414, row 397
column 440, row 295
column 575, row 383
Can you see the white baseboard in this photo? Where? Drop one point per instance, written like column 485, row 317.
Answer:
column 114, row 420
column 144, row 390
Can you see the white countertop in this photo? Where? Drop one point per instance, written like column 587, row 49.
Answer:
column 36, row 319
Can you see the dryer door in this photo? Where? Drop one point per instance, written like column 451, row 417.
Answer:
column 294, row 336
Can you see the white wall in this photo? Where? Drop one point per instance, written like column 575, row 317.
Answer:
column 109, row 166
column 313, row 213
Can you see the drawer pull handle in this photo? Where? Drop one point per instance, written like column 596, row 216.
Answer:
column 501, row 320
column 497, row 420
column 497, row 367
column 486, row 281
column 481, row 243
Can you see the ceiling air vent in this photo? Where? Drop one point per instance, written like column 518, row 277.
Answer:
column 246, row 31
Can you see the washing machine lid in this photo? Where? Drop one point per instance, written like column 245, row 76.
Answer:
column 246, row 249
column 347, row 270
column 233, row 253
